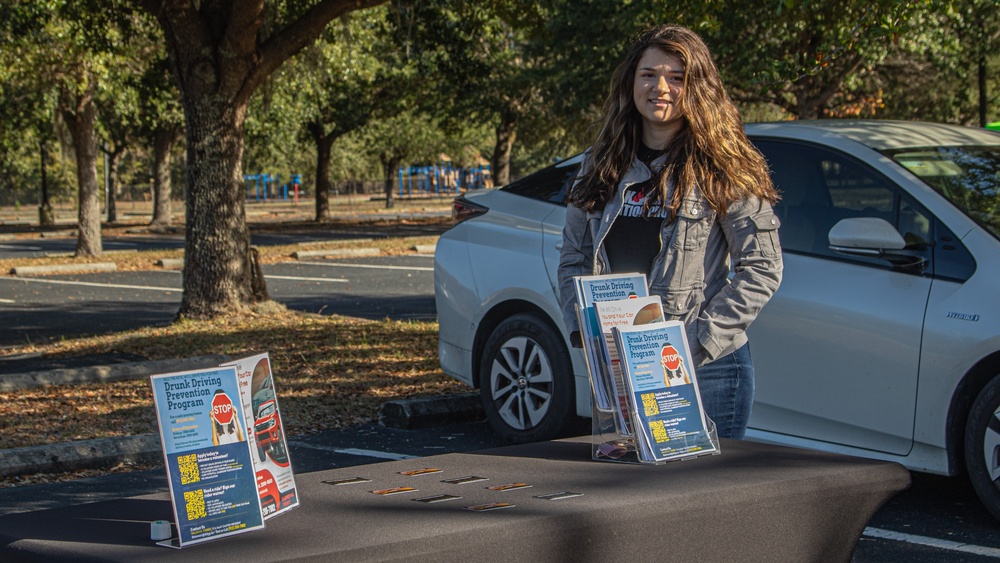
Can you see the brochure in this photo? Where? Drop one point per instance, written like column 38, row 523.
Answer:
column 210, row 471
column 266, row 433
column 589, row 290
column 621, row 313
column 658, row 371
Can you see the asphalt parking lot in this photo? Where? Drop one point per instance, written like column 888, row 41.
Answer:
column 38, row 308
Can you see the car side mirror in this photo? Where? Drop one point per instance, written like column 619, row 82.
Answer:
column 874, row 238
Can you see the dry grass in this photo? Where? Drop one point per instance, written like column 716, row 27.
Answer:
column 330, row 372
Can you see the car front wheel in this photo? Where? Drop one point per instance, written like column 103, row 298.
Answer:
column 526, row 381
column 982, row 446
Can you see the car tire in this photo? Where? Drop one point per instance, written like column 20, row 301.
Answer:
column 526, row 381
column 982, row 446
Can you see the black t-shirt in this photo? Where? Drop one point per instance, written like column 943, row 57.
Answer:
column 634, row 240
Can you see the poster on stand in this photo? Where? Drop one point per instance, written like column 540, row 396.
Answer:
column 210, row 472
column 266, row 433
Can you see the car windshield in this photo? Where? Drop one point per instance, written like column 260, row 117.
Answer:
column 968, row 176
column 266, row 410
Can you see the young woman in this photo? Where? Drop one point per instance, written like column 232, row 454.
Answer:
column 673, row 188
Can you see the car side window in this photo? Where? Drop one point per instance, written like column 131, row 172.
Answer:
column 820, row 187
column 914, row 224
column 548, row 184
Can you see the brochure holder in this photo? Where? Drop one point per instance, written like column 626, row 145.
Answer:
column 646, row 406
column 609, row 445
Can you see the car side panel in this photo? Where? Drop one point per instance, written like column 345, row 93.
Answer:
column 962, row 328
column 551, row 244
column 836, row 354
column 456, row 301
column 487, row 261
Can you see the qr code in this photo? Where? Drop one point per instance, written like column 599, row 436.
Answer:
column 195, row 503
column 659, row 432
column 188, row 467
column 649, row 405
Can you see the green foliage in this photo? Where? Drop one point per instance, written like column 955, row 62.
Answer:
column 411, row 80
column 932, row 73
column 805, row 55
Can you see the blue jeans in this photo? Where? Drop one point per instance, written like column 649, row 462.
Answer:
column 726, row 387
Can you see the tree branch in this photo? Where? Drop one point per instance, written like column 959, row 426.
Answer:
column 292, row 38
column 182, row 26
column 238, row 45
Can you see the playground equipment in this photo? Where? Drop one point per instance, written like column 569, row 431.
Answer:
column 262, row 186
column 441, row 179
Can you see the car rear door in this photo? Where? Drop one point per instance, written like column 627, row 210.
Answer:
column 837, row 349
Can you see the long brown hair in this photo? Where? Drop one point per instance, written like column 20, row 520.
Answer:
column 710, row 151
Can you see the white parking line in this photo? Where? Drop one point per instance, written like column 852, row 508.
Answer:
column 293, row 278
column 353, row 451
column 297, row 278
column 157, row 288
column 372, row 266
column 6, row 301
column 94, row 284
column 18, row 247
column 932, row 542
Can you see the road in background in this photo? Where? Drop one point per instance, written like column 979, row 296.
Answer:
column 50, row 307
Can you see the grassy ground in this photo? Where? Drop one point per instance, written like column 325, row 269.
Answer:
column 329, row 371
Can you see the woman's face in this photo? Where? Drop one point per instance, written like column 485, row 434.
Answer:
column 657, row 90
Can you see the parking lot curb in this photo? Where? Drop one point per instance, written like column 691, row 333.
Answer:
column 300, row 254
column 107, row 373
column 62, row 268
column 425, row 412
column 81, row 454
column 171, row 263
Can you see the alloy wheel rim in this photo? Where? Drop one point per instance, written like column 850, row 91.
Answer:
column 521, row 381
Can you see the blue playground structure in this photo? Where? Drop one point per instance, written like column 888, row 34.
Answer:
column 442, row 179
column 260, row 187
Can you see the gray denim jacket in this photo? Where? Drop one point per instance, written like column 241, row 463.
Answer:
column 691, row 270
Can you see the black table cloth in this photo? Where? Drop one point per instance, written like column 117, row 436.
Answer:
column 754, row 502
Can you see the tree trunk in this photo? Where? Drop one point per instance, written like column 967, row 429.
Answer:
column 45, row 216
column 112, row 172
column 506, row 135
column 983, row 97
column 80, row 118
column 164, row 139
column 218, row 271
column 324, row 142
column 389, row 166
column 220, row 52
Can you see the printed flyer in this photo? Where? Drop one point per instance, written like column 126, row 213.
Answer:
column 266, row 434
column 657, row 368
column 209, row 467
column 589, row 290
column 624, row 312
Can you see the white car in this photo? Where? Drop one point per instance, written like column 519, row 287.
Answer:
column 883, row 340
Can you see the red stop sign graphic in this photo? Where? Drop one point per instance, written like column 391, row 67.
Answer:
column 671, row 358
column 222, row 408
